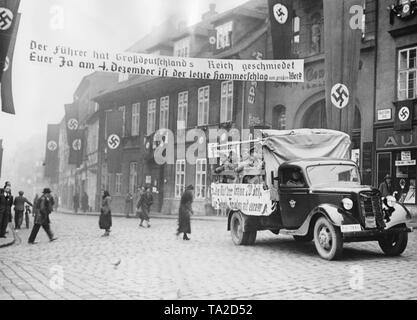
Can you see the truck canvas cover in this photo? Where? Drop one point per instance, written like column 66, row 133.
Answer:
column 280, row 146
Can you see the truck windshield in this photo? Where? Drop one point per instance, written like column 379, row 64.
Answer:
column 333, row 174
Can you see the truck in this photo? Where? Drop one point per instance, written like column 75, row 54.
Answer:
column 309, row 188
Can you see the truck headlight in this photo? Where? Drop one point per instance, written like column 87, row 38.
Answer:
column 347, row 204
column 391, row 201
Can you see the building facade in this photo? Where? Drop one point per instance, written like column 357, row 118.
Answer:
column 395, row 107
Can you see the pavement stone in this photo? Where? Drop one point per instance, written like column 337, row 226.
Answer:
column 137, row 263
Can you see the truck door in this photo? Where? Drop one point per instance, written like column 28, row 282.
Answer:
column 294, row 198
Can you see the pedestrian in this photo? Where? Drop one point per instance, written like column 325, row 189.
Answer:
column 128, row 204
column 84, row 202
column 19, row 206
column 44, row 208
column 4, row 218
column 185, row 211
column 145, row 203
column 386, row 188
column 105, row 220
column 141, row 191
column 76, row 202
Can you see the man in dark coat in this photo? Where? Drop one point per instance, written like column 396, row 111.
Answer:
column 145, row 202
column 386, row 188
column 19, row 207
column 185, row 211
column 6, row 202
column 45, row 207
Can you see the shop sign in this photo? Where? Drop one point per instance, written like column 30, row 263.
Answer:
column 405, row 155
column 384, row 114
column 388, row 139
column 401, row 163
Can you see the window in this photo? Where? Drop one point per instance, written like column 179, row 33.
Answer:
column 135, row 119
column 123, row 110
column 118, row 184
column 203, row 105
column 164, row 113
column 226, row 108
column 201, row 178
column 106, row 124
column 296, row 35
column 179, row 178
column 133, row 177
column 224, row 35
column 407, row 74
column 151, row 116
column 182, row 110
column 182, row 48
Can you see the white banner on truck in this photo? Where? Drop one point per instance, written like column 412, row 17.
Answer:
column 251, row 199
column 66, row 57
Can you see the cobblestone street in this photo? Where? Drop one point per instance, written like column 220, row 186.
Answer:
column 137, row 263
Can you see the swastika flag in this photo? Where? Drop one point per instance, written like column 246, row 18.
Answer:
column 281, row 16
column 342, row 57
column 9, row 25
column 114, row 140
column 76, row 147
column 52, row 153
column 71, row 121
column 404, row 115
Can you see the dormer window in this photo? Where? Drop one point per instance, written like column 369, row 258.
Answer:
column 224, row 35
column 182, row 48
column 123, row 77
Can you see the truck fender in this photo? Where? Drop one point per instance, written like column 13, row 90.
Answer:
column 400, row 215
column 249, row 222
column 333, row 213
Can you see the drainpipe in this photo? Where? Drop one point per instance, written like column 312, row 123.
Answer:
column 374, row 161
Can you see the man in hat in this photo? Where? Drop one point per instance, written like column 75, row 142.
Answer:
column 44, row 206
column 19, row 207
column 386, row 187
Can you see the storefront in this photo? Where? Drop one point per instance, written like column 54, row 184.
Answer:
column 396, row 156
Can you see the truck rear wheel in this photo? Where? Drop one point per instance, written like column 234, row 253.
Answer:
column 240, row 237
column 327, row 239
column 394, row 244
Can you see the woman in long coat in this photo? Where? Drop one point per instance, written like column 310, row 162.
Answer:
column 105, row 221
column 184, row 213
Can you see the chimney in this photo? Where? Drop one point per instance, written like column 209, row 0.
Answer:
column 212, row 12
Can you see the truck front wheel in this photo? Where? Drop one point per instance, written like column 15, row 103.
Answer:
column 327, row 239
column 394, row 244
column 240, row 237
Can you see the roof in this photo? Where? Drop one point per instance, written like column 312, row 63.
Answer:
column 304, row 163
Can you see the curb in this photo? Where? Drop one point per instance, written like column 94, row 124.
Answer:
column 12, row 241
column 152, row 216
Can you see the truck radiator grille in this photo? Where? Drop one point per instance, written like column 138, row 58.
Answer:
column 371, row 209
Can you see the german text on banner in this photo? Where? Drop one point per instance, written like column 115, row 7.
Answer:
column 342, row 56
column 70, row 58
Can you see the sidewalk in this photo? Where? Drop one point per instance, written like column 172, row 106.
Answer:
column 152, row 215
column 10, row 240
